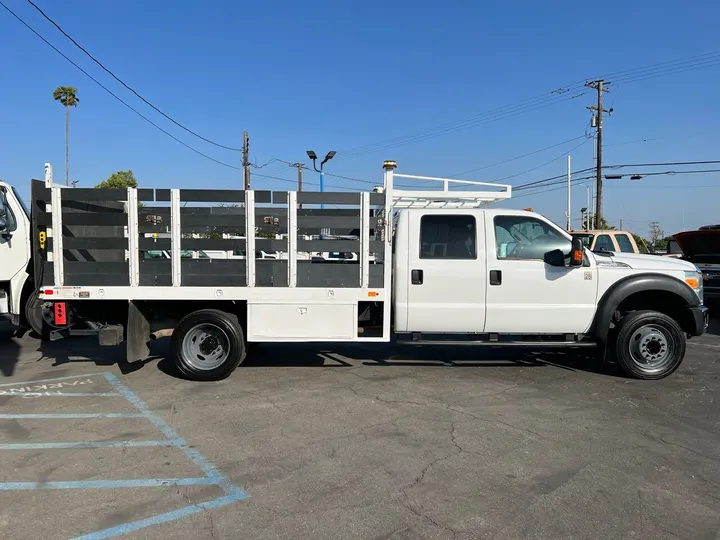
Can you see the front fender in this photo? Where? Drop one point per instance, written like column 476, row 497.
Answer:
column 630, row 285
column 17, row 287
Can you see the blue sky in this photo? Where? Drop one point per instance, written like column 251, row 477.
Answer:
column 345, row 75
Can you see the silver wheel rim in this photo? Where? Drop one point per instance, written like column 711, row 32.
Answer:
column 206, row 347
column 652, row 348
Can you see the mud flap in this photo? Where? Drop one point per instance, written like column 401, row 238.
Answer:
column 138, row 334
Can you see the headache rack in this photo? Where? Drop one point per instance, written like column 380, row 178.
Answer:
column 449, row 194
column 263, row 247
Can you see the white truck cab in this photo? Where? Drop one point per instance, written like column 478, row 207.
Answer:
column 16, row 286
column 493, row 271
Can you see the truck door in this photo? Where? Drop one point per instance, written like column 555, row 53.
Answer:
column 447, row 281
column 14, row 239
column 527, row 295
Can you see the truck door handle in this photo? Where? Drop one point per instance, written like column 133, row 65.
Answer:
column 416, row 277
column 495, row 277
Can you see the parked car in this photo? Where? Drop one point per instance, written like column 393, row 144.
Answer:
column 610, row 241
column 702, row 248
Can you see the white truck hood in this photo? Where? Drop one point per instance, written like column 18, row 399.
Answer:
column 640, row 261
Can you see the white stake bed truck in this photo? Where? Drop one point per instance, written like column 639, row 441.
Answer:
column 445, row 269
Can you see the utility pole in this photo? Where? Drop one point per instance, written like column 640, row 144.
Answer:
column 300, row 167
column 621, row 224
column 246, row 160
column 589, row 210
column 598, row 117
column 656, row 234
column 569, row 179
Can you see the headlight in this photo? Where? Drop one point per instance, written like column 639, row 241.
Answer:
column 695, row 281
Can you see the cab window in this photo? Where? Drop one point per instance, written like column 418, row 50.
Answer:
column 603, row 242
column 447, row 237
column 523, row 237
column 7, row 212
column 624, row 243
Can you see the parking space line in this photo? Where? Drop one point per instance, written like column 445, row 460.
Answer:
column 193, row 455
column 126, row 528
column 213, row 476
column 58, row 394
column 60, row 416
column 54, row 379
column 108, row 484
column 95, row 444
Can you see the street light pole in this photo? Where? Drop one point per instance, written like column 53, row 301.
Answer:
column 313, row 156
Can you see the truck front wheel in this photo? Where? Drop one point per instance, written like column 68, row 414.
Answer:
column 207, row 345
column 649, row 345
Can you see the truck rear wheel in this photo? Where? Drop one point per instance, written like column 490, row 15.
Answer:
column 649, row 345
column 207, row 345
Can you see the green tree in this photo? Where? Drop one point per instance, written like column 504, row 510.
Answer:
column 119, row 180
column 641, row 243
column 67, row 97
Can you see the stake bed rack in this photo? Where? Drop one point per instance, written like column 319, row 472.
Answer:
column 92, row 244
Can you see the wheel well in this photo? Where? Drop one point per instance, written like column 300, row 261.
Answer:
column 666, row 302
column 28, row 288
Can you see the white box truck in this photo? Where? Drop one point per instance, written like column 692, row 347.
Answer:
column 435, row 265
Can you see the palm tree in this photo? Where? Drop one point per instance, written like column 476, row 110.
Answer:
column 67, row 96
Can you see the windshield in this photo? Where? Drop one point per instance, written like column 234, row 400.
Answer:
column 25, row 207
column 673, row 248
column 586, row 239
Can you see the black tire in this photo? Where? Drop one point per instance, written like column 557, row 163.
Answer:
column 207, row 328
column 32, row 313
column 649, row 345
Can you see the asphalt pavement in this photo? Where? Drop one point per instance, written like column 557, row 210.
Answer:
column 348, row 442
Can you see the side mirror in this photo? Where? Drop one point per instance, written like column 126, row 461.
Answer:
column 556, row 257
column 577, row 252
column 3, row 224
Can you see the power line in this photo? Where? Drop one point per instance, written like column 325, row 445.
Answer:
column 546, row 163
column 326, row 173
column 109, row 72
column 517, row 157
column 536, row 182
column 667, row 163
column 114, row 95
column 304, row 182
column 661, row 69
column 562, row 184
column 481, row 119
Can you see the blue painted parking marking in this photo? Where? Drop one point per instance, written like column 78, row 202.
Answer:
column 126, row 528
column 68, row 415
column 94, row 444
column 53, row 380
column 59, row 394
column 100, row 484
column 53, row 388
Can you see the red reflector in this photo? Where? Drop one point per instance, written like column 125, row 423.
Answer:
column 60, row 314
column 48, row 292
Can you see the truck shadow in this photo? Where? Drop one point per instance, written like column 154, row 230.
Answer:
column 714, row 328
column 318, row 355
column 9, row 350
column 86, row 350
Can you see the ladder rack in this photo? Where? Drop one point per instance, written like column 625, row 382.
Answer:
column 446, row 197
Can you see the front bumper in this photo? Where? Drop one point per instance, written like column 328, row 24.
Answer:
column 701, row 320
